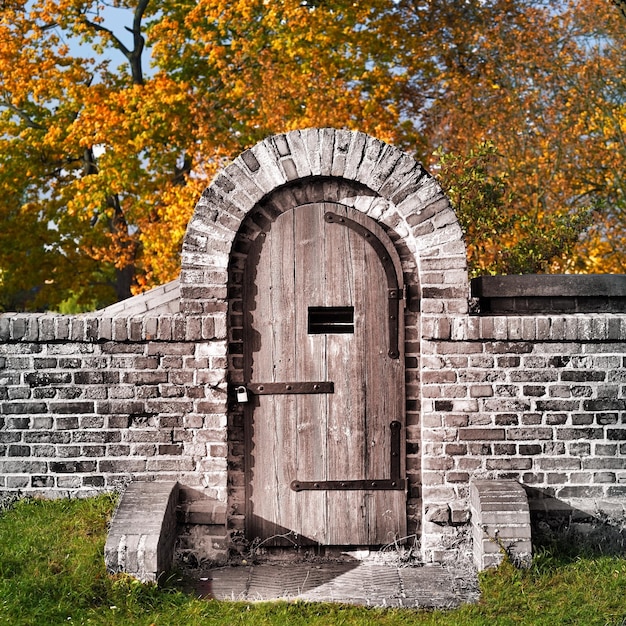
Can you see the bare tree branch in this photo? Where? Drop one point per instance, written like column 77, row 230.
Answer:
column 30, row 123
column 134, row 56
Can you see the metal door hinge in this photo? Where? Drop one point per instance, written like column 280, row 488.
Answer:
column 394, row 291
column 395, row 482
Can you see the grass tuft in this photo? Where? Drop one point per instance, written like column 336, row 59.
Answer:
column 52, row 572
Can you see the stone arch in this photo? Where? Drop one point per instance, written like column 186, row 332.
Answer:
column 362, row 172
column 416, row 209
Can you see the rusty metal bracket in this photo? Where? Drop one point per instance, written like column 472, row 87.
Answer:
column 270, row 389
column 394, row 292
column 395, row 482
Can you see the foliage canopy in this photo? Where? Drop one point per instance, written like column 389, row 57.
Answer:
column 108, row 134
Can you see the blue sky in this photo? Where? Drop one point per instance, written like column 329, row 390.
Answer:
column 116, row 20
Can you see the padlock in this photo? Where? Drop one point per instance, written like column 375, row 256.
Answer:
column 242, row 394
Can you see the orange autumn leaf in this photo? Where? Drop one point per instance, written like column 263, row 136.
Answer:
column 105, row 147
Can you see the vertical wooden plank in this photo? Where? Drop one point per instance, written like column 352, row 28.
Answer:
column 312, row 410
column 385, row 399
column 272, row 359
column 346, row 435
column 281, row 409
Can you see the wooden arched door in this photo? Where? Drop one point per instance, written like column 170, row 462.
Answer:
column 324, row 373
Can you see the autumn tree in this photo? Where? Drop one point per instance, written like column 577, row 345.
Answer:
column 621, row 5
column 527, row 77
column 104, row 148
column 499, row 239
column 112, row 158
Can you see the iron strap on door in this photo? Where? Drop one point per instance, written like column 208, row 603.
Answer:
column 395, row 482
column 273, row 389
column 276, row 389
column 394, row 293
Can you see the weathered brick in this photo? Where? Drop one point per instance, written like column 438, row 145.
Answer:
column 43, row 451
column 481, row 434
column 65, row 467
column 508, row 449
column 66, row 423
column 50, row 436
column 616, row 434
column 18, row 450
column 122, row 407
column 456, row 449
column 567, row 434
column 18, row 393
column 67, row 452
column 556, row 419
column 23, row 408
column 144, row 377
column 170, row 449
column 581, row 492
column 93, row 481
column 121, row 466
column 557, row 405
column 534, row 376
column 581, row 376
column 30, row 466
column 559, row 463
column 457, row 477
column 604, row 477
column 523, row 434
column 89, row 377
column 440, row 464
column 605, row 449
column 17, row 423
column 604, row 404
column 17, row 482
column 42, row 481
column 39, row 379
column 71, row 407
column 604, row 419
column 92, row 451
column 509, row 464
column 68, row 481
column 604, row 463
column 530, row 449
column 481, row 391
column 506, row 419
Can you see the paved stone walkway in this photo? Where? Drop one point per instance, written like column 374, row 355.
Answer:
column 360, row 583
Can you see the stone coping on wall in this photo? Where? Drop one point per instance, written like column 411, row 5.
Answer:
column 550, row 293
column 592, row 328
column 150, row 326
column 162, row 299
column 42, row 327
column 142, row 532
column 500, row 523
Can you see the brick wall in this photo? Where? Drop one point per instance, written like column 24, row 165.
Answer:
column 537, row 399
column 89, row 402
column 140, row 390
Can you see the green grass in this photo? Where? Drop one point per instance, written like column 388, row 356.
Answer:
column 52, row 572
